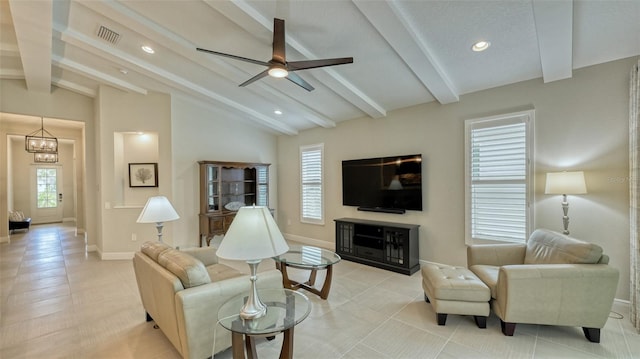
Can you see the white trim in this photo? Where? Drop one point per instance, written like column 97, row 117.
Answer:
column 6, row 239
column 320, row 147
column 310, row 241
column 93, row 248
column 528, row 117
column 116, row 256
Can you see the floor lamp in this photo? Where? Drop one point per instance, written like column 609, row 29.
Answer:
column 565, row 183
column 158, row 210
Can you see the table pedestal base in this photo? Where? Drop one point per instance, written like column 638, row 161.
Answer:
column 309, row 284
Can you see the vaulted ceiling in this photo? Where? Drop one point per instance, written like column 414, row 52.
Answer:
column 405, row 52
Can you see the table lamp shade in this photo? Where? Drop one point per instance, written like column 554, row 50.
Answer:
column 565, row 183
column 157, row 209
column 253, row 234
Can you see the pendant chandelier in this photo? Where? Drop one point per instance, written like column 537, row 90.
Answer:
column 41, row 141
column 45, row 157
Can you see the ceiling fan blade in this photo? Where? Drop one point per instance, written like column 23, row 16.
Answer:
column 234, row 57
column 299, row 81
column 311, row 64
column 255, row 78
column 279, row 52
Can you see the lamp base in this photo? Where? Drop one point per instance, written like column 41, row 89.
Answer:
column 253, row 308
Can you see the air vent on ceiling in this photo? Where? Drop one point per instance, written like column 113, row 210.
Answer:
column 108, row 35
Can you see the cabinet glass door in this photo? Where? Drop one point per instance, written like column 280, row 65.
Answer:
column 262, row 186
column 213, row 182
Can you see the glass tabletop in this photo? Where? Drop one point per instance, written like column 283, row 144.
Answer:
column 285, row 309
column 308, row 257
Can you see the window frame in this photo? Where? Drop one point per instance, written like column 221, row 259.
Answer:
column 303, row 218
column 528, row 118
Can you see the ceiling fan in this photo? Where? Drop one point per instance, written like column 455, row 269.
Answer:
column 278, row 65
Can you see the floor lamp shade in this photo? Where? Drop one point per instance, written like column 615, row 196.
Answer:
column 252, row 237
column 565, row 183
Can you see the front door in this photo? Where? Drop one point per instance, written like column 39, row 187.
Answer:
column 46, row 202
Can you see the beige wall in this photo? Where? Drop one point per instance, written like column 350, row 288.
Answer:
column 202, row 133
column 580, row 124
column 58, row 104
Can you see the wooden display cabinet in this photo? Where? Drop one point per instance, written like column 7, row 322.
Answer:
column 224, row 187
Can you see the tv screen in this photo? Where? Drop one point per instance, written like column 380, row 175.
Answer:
column 392, row 184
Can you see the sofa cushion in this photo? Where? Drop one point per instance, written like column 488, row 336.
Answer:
column 218, row 272
column 548, row 247
column 153, row 249
column 191, row 271
column 488, row 274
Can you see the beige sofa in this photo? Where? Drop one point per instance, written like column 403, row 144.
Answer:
column 553, row 280
column 183, row 290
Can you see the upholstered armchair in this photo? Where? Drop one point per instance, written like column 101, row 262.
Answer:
column 552, row 280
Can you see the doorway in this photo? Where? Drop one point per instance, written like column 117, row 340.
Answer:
column 46, row 194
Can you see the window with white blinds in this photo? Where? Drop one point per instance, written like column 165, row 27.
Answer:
column 311, row 189
column 498, row 177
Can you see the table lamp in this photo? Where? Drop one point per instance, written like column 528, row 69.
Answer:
column 252, row 237
column 158, row 210
column 565, row 183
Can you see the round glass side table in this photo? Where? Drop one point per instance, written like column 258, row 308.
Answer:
column 309, row 258
column 285, row 309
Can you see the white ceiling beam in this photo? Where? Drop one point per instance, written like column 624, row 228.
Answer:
column 554, row 27
column 187, row 49
column 97, row 75
column 10, row 50
column 339, row 84
column 72, row 86
column 11, row 74
column 32, row 23
column 100, row 49
column 391, row 21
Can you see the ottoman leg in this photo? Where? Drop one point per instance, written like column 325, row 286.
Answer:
column 426, row 299
column 481, row 322
column 507, row 328
column 442, row 318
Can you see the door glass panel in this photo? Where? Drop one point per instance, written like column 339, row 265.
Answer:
column 47, row 187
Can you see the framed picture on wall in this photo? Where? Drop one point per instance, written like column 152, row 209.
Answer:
column 143, row 175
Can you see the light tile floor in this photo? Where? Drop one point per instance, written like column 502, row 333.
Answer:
column 59, row 302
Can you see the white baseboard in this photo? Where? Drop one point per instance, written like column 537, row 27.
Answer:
column 6, row 239
column 69, row 219
column 310, row 241
column 92, row 248
column 116, row 256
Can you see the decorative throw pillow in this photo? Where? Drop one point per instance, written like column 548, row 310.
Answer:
column 16, row 216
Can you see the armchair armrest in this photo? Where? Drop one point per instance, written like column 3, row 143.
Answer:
column 206, row 255
column 197, row 311
column 495, row 254
column 556, row 294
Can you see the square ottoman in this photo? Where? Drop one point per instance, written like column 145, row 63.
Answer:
column 455, row 290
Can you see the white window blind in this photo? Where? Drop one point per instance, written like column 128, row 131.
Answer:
column 498, row 178
column 311, row 168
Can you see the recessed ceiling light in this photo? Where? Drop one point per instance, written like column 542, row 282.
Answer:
column 480, row 46
column 277, row 112
column 148, row 49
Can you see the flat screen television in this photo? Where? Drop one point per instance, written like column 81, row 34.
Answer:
column 385, row 184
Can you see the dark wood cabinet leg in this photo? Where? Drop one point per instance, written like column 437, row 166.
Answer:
column 426, row 299
column 508, row 328
column 481, row 321
column 148, row 317
column 442, row 318
column 592, row 334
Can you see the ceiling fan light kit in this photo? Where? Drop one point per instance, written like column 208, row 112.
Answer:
column 278, row 66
